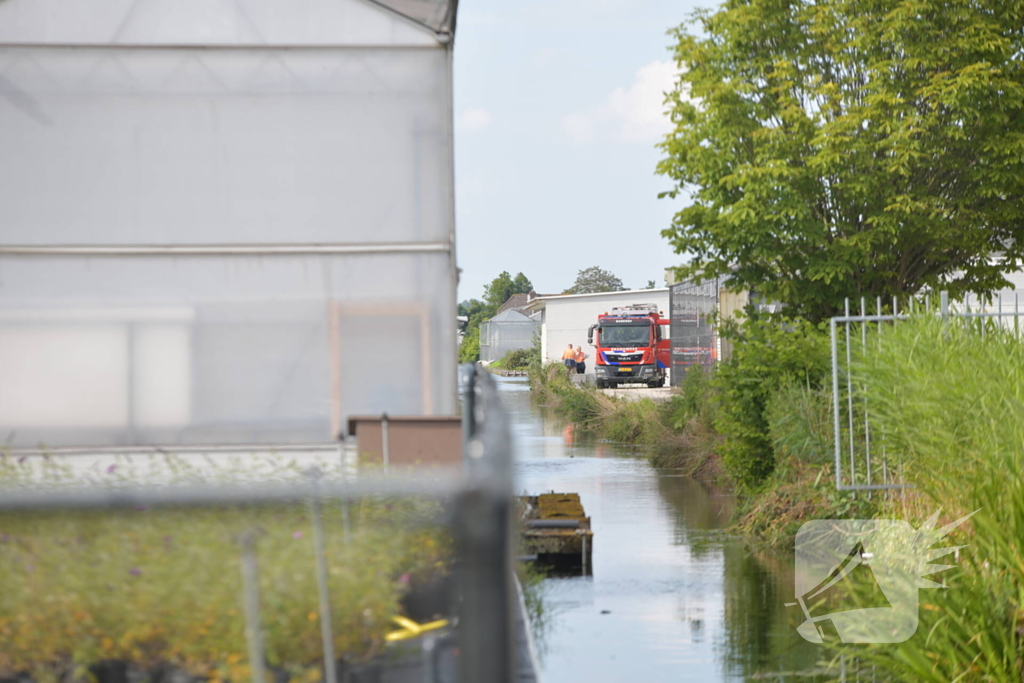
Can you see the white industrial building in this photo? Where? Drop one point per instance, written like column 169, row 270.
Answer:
column 223, row 222
column 566, row 318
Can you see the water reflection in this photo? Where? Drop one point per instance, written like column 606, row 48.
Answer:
column 673, row 597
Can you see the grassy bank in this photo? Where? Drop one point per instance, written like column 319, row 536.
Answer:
column 677, row 430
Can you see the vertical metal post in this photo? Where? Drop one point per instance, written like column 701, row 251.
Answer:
column 999, row 315
column 584, row 554
column 849, row 398
column 867, row 421
column 944, row 304
column 981, row 318
column 885, row 463
column 483, row 538
column 319, row 548
column 468, row 383
column 835, row 402
column 251, row 603
column 1016, row 314
column 385, row 445
column 346, row 524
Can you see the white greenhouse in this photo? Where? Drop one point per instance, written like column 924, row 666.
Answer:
column 224, row 221
column 510, row 330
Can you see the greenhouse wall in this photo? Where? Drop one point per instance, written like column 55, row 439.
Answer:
column 498, row 337
column 223, row 222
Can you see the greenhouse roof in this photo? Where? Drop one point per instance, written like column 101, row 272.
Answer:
column 251, row 23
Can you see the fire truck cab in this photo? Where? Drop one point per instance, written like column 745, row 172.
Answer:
column 632, row 346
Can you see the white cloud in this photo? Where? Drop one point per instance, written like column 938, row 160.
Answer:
column 633, row 114
column 476, row 119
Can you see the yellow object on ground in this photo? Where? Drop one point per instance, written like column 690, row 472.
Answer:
column 410, row 629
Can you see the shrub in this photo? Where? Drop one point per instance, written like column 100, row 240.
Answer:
column 768, row 352
column 697, row 400
column 516, row 359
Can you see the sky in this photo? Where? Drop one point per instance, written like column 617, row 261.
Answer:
column 558, row 108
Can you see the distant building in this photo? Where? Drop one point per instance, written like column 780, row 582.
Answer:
column 507, row 331
column 565, row 318
column 515, row 302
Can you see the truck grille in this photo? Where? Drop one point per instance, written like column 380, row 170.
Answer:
column 624, row 358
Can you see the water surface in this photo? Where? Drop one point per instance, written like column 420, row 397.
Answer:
column 673, row 597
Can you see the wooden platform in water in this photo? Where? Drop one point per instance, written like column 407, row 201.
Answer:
column 555, row 528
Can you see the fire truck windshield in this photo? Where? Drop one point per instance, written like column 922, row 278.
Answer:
column 625, row 335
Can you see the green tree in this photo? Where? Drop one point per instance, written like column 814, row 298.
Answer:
column 496, row 292
column 595, row 279
column 502, row 287
column 839, row 148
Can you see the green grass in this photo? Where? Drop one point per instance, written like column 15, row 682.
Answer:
column 164, row 586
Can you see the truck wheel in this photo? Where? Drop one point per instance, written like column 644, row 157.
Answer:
column 652, row 385
column 661, row 383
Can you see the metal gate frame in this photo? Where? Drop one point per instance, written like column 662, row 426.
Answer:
column 843, row 322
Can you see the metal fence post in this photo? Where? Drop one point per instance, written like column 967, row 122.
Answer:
column 483, row 537
column 320, row 551
column 251, row 603
column 944, row 304
column 467, row 380
column 835, row 402
column 385, row 445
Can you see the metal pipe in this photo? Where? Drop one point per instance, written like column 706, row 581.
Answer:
column 206, row 47
column 873, row 487
column 584, row 558
column 172, row 449
column 203, row 496
column 867, row 420
column 221, row 249
column 849, row 397
column 251, row 604
column 552, row 524
column 835, row 402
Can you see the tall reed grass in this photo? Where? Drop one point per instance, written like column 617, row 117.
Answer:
column 951, row 402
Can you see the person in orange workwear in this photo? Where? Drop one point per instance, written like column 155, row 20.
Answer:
column 581, row 365
column 569, row 360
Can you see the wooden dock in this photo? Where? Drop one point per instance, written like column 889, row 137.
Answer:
column 556, row 529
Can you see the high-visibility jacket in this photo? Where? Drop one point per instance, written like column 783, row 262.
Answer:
column 569, row 354
column 580, row 356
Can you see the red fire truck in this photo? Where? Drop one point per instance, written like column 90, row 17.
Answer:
column 632, row 346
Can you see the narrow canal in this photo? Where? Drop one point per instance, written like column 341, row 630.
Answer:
column 672, row 597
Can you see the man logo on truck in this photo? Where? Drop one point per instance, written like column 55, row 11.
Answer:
column 631, row 346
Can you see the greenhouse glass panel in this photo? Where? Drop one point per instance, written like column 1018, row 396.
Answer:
column 219, row 349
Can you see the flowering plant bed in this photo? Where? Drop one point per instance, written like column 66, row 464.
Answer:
column 96, row 594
